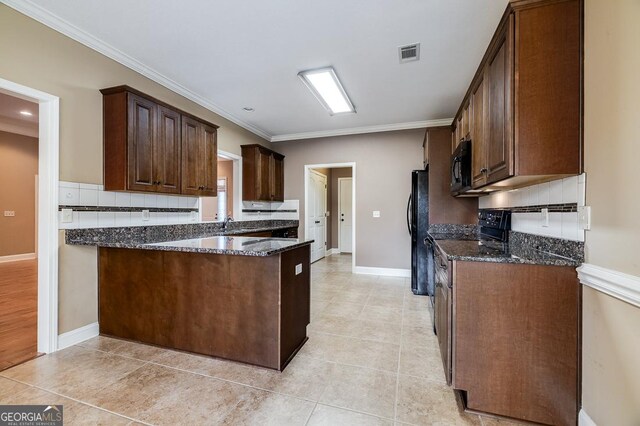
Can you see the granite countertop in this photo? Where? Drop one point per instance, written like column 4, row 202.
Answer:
column 244, row 246
column 461, row 242
column 476, row 251
column 204, row 237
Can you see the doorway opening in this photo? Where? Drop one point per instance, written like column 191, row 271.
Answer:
column 18, row 230
column 330, row 200
column 228, row 201
column 41, row 246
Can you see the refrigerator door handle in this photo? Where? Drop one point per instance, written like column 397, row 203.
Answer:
column 409, row 213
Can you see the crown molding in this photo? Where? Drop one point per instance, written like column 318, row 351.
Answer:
column 38, row 13
column 34, row 11
column 622, row 286
column 361, row 130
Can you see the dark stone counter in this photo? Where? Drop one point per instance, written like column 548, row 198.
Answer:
column 206, row 237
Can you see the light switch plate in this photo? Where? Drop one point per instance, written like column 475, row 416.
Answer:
column 298, row 268
column 376, row 213
column 545, row 218
column 67, row 215
column 9, row 213
column 584, row 217
column 146, row 215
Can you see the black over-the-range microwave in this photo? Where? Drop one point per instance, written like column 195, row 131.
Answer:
column 461, row 168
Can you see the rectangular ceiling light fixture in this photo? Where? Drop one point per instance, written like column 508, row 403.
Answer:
column 326, row 87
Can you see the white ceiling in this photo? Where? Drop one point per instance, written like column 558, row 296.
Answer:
column 228, row 54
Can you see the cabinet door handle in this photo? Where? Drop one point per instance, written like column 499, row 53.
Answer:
column 483, row 170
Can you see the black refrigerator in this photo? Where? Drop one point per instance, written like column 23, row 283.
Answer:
column 418, row 224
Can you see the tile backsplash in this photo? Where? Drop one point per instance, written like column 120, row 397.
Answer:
column 94, row 207
column 562, row 197
column 259, row 210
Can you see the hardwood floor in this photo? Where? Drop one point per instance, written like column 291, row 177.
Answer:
column 18, row 312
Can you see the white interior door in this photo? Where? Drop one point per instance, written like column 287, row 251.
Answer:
column 345, row 207
column 316, row 216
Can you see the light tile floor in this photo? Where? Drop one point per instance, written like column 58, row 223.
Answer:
column 371, row 359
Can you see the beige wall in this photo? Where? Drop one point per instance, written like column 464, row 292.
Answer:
column 383, row 181
column 611, row 342
column 37, row 56
column 18, row 170
column 335, row 214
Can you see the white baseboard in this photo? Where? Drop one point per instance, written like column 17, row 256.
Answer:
column 584, row 419
column 332, row 251
column 17, row 257
column 616, row 284
column 78, row 335
column 387, row 272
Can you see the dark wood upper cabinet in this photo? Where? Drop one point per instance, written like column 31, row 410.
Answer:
column 277, row 180
column 210, row 161
column 262, row 174
column 168, row 152
column 523, row 108
column 150, row 146
column 191, row 155
column 478, row 169
column 498, row 145
column 142, row 137
column 199, row 158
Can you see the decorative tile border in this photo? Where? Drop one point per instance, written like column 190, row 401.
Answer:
column 127, row 209
column 553, row 208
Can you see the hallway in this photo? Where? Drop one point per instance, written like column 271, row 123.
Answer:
column 18, row 312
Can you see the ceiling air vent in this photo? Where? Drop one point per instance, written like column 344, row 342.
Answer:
column 408, row 53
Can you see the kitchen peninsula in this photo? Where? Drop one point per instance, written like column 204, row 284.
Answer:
column 205, row 289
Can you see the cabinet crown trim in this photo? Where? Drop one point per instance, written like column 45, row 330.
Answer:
column 617, row 284
column 262, row 148
column 125, row 88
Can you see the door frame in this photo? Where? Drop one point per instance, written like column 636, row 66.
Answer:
column 307, row 168
column 340, row 209
column 237, row 184
column 47, row 223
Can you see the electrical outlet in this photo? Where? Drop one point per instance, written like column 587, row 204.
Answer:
column 9, row 213
column 545, row 218
column 194, row 216
column 584, row 217
column 298, row 268
column 376, row 213
column 146, row 215
column 67, row 215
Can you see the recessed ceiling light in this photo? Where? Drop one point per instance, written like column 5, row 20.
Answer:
column 326, row 87
column 27, row 113
column 248, row 109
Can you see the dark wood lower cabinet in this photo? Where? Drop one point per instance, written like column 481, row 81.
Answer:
column 243, row 308
column 516, row 340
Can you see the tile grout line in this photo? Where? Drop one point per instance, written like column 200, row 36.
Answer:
column 311, row 414
column 81, row 401
column 395, row 404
